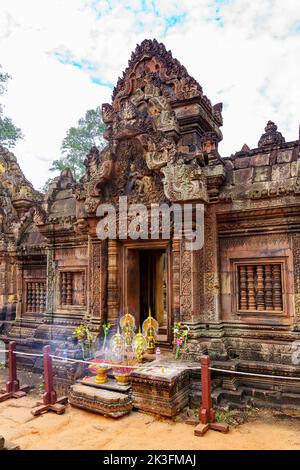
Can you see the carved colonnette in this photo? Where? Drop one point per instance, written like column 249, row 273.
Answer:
column 211, row 268
column 8, row 287
column 113, row 286
column 176, row 249
column 98, row 258
column 296, row 253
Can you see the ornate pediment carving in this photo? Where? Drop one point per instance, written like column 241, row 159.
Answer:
column 160, row 126
column 152, row 64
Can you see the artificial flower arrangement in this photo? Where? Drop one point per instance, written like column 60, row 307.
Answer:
column 85, row 339
column 181, row 333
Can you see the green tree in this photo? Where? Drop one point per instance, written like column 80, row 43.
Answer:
column 9, row 133
column 78, row 141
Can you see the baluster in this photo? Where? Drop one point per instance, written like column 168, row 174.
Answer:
column 243, row 288
column 83, row 290
column 260, row 298
column 43, row 296
column 69, row 288
column 277, row 287
column 250, row 288
column 28, row 309
column 37, row 302
column 63, row 288
column 268, row 287
column 39, row 299
column 34, row 296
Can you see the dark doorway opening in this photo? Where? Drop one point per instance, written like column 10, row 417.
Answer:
column 147, row 286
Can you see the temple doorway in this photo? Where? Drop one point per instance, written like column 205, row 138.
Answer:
column 147, row 286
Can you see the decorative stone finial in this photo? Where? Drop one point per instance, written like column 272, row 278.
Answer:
column 271, row 136
column 245, row 148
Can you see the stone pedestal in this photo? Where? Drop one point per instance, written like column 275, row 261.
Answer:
column 161, row 390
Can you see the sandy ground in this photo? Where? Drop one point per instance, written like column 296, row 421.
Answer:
column 78, row 429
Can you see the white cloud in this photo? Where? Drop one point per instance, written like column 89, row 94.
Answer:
column 249, row 63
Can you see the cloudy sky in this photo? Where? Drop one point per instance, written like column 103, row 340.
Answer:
column 66, row 55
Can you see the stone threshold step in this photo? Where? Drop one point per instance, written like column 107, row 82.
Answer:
column 105, row 402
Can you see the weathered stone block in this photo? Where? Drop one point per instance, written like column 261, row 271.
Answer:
column 262, row 173
column 242, row 162
column 243, row 176
column 284, row 156
column 260, row 160
column 281, row 171
column 294, row 169
column 228, row 165
column 163, row 392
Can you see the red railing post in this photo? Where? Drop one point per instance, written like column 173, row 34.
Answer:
column 13, row 384
column 50, row 396
column 13, row 389
column 50, row 400
column 206, row 412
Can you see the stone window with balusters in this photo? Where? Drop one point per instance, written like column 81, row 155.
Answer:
column 260, row 287
column 72, row 288
column 35, row 296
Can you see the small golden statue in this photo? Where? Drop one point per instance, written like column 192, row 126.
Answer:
column 150, row 330
column 127, row 323
column 139, row 345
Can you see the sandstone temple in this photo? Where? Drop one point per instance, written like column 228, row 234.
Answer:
column 239, row 294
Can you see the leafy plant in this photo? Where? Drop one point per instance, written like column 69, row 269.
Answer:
column 106, row 327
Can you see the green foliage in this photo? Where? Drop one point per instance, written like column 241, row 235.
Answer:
column 45, row 187
column 4, row 77
column 106, row 327
column 235, row 417
column 9, row 133
column 78, row 142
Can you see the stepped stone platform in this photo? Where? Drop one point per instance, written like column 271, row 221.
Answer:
column 99, row 400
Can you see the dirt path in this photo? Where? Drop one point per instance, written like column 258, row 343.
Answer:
column 78, row 429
